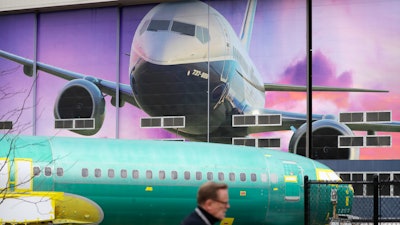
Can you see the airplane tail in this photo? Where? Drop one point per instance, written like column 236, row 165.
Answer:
column 247, row 26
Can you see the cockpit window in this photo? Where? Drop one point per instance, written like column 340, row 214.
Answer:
column 183, row 28
column 202, row 34
column 156, row 25
column 144, row 27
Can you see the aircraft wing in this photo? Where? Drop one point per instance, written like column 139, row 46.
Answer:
column 295, row 88
column 393, row 126
column 107, row 87
column 295, row 119
column 292, row 121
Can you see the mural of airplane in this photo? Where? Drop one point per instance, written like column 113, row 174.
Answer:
column 186, row 60
column 67, row 180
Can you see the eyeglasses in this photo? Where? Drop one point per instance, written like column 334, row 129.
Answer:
column 222, row 202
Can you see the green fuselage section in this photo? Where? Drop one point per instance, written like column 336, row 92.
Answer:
column 155, row 182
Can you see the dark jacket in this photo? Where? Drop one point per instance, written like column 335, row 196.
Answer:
column 194, row 218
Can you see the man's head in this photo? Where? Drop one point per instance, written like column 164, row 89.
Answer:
column 213, row 197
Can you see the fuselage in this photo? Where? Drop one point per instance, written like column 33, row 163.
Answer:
column 183, row 51
column 155, row 182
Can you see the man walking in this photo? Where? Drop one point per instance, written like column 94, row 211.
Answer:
column 212, row 204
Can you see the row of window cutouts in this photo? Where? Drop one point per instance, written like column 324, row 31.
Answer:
column 162, row 175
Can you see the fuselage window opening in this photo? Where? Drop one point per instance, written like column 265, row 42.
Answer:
column 242, row 177
column 47, row 171
column 186, row 175
column 232, row 177
column 274, row 178
column 174, row 175
column 36, row 171
column 149, row 174
column 60, row 172
column 97, row 173
column 135, row 174
column 85, row 172
column 264, row 178
column 161, row 175
column 124, row 173
column 111, row 173
column 210, row 176
column 253, row 177
column 199, row 175
column 221, row 176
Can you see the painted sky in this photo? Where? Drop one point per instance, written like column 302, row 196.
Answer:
column 355, row 44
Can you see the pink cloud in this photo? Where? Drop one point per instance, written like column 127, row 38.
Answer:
column 324, row 74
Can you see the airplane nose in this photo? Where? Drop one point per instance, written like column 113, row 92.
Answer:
column 170, row 76
column 168, row 91
column 327, row 200
column 345, row 199
column 181, row 90
column 153, row 50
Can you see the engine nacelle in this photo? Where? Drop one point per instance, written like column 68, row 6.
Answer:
column 81, row 98
column 325, row 134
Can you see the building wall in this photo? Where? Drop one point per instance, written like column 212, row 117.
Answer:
column 14, row 6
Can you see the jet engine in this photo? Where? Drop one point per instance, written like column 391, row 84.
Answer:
column 81, row 99
column 325, row 134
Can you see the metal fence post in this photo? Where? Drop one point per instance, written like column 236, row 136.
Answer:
column 376, row 198
column 306, row 201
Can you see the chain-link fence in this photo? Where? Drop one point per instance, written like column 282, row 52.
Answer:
column 376, row 201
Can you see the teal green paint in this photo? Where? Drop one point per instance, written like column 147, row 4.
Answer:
column 152, row 201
